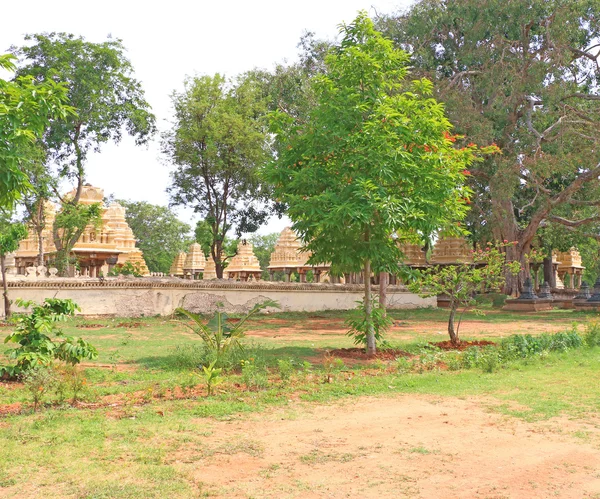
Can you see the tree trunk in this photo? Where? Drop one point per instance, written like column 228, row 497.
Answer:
column 5, row 286
column 371, row 347
column 451, row 332
column 549, row 275
column 383, row 284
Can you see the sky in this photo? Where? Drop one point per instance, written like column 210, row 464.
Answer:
column 167, row 41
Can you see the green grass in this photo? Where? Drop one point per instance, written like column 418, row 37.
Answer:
column 128, row 446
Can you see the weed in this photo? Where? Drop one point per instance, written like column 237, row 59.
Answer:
column 253, row 375
column 38, row 381
column 285, row 368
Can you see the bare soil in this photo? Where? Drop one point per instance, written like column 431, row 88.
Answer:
column 406, row 446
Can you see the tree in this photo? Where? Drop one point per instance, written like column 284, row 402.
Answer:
column 26, row 107
column 10, row 235
column 460, row 283
column 374, row 159
column 524, row 75
column 158, row 232
column 108, row 100
column 217, row 143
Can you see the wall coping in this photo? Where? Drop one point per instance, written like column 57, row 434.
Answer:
column 149, row 283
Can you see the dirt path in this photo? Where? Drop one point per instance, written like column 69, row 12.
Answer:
column 407, row 446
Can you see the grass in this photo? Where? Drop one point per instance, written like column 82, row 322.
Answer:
column 127, row 437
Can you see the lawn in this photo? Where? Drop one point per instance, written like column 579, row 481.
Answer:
column 144, row 427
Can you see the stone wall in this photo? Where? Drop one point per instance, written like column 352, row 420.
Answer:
column 148, row 297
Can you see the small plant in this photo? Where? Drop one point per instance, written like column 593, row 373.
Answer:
column 591, row 337
column 220, row 335
column 254, row 376
column 359, row 323
column 212, row 376
column 33, row 334
column 285, row 368
column 38, row 382
column 128, row 268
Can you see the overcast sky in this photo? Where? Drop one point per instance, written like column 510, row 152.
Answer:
column 166, row 41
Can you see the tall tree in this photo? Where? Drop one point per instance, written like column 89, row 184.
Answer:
column 524, row 75
column 374, row 159
column 108, row 100
column 158, row 232
column 217, row 142
column 26, row 108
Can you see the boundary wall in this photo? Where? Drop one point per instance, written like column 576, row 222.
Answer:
column 149, row 297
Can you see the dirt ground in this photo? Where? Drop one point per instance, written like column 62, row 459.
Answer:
column 406, row 446
column 319, row 329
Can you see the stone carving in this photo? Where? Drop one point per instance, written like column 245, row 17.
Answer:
column 413, row 254
column 287, row 253
column 31, row 273
column 244, row 264
column 194, row 262
column 177, row 265
column 41, row 272
column 53, row 272
column 449, row 250
column 568, row 263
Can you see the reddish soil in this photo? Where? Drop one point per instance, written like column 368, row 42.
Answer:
column 448, row 345
column 405, row 447
column 360, row 354
column 131, row 325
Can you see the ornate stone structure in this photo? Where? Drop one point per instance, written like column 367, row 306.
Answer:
column 451, row 250
column 244, row 265
column 414, row 256
column 210, row 270
column 177, row 265
column 98, row 249
column 569, row 264
column 194, row 262
column 288, row 257
column 528, row 301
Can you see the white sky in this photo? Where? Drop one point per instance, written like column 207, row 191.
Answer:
column 166, row 41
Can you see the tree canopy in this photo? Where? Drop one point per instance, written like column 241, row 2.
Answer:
column 524, row 75
column 374, row 160
column 217, row 143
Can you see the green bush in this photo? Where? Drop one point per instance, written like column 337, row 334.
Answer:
column 33, row 334
column 591, row 337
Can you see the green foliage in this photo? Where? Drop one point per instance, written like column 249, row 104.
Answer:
column 219, row 335
column 40, row 341
column 372, row 160
column 263, row 246
column 26, row 107
column 217, row 142
column 460, row 283
column 254, row 374
column 544, row 118
column 360, row 320
column 127, row 268
column 101, row 87
column 10, row 235
column 158, row 233
column 285, row 368
column 592, row 335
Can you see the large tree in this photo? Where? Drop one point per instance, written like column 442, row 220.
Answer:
column 158, row 232
column 217, row 142
column 108, row 99
column 524, row 75
column 373, row 159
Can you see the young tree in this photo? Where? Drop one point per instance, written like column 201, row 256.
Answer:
column 461, row 282
column 158, row 232
column 374, row 159
column 524, row 75
column 217, row 143
column 108, row 100
column 10, row 235
column 26, row 108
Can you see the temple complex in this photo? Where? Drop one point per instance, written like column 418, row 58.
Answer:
column 194, row 262
column 244, row 265
column 99, row 249
column 451, row 250
column 414, row 255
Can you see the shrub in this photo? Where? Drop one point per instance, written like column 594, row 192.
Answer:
column 33, row 334
column 359, row 322
column 285, row 368
column 38, row 382
column 254, row 375
column 220, row 336
column 591, row 337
